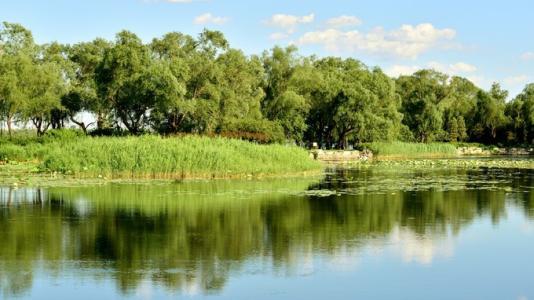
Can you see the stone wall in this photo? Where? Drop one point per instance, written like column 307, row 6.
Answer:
column 354, row 155
column 474, row 151
column 340, row 155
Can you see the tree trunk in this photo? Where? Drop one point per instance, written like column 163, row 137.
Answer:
column 81, row 124
column 9, row 124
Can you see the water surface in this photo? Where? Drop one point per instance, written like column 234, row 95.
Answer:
column 363, row 233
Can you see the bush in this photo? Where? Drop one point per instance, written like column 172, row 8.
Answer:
column 63, row 134
column 12, row 152
column 261, row 131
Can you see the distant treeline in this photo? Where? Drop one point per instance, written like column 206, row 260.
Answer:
column 181, row 84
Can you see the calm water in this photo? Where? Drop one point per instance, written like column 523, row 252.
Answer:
column 373, row 233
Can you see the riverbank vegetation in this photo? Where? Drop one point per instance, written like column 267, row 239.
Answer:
column 448, row 164
column 148, row 157
column 179, row 84
column 411, row 150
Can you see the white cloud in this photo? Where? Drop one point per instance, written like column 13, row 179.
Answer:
column 289, row 22
column 516, row 80
column 408, row 41
column 459, row 68
column 279, row 36
column 527, row 56
column 398, row 70
column 452, row 69
column 422, row 250
column 462, row 67
column 208, row 18
column 480, row 81
column 343, row 21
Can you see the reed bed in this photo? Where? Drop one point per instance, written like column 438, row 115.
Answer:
column 164, row 158
column 411, row 150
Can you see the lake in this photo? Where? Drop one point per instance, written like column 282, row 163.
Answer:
column 373, row 232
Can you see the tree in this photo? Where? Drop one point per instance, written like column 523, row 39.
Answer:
column 490, row 113
column 31, row 76
column 521, row 113
column 353, row 104
column 462, row 130
column 17, row 54
column 179, row 83
column 133, row 82
column 203, row 92
column 421, row 95
column 287, row 87
column 453, row 130
column 13, row 70
column 44, row 90
column 178, row 51
column 85, row 94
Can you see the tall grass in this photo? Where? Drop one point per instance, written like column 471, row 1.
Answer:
column 157, row 157
column 411, row 150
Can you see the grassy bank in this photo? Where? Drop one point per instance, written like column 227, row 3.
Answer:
column 398, row 150
column 155, row 157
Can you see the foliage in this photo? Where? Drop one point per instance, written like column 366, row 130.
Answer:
column 156, row 157
column 180, row 84
column 406, row 150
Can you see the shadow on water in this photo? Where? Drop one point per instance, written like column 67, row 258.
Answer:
column 198, row 234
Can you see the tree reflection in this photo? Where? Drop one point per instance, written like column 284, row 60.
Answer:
column 194, row 235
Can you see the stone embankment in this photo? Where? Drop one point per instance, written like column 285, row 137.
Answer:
column 341, row 155
column 477, row 151
column 355, row 155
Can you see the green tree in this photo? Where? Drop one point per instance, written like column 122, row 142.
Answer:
column 17, row 53
column 133, row 82
column 490, row 113
column 521, row 113
column 453, row 130
column 44, row 90
column 462, row 130
column 353, row 104
column 421, row 95
column 84, row 94
column 179, row 51
column 287, row 86
column 13, row 71
column 32, row 78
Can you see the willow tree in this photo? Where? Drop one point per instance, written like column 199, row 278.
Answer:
column 44, row 91
column 32, row 80
column 521, row 113
column 17, row 52
column 353, row 104
column 133, row 82
column 288, row 83
column 421, row 95
column 178, row 51
column 83, row 95
column 490, row 115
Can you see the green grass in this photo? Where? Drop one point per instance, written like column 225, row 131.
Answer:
column 411, row 150
column 159, row 158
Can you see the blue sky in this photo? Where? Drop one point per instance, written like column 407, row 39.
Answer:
column 485, row 41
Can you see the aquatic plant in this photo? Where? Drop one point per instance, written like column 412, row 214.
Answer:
column 410, row 150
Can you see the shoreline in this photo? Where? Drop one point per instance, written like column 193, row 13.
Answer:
column 349, row 156
column 25, row 175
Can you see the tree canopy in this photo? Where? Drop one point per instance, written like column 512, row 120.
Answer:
column 183, row 84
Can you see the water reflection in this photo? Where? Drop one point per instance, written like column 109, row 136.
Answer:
column 193, row 237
